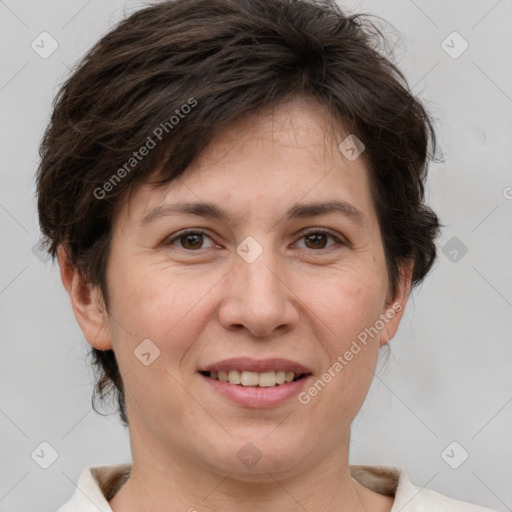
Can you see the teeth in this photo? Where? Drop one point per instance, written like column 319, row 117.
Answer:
column 234, row 377
column 249, row 379
column 280, row 377
column 267, row 379
column 263, row 379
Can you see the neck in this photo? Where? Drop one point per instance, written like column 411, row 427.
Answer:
column 159, row 484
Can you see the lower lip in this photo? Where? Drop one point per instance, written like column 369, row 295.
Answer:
column 257, row 397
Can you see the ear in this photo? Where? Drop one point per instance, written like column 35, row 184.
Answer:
column 395, row 305
column 87, row 303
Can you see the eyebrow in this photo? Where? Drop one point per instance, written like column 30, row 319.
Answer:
column 212, row 211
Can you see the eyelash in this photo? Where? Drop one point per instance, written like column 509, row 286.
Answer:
column 302, row 234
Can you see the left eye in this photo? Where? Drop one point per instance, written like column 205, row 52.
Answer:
column 192, row 240
column 318, row 238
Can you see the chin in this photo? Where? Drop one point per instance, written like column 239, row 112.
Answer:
column 251, row 458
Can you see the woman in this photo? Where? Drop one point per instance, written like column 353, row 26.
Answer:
column 234, row 192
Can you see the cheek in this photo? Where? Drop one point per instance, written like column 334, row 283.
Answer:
column 164, row 306
column 352, row 342
column 154, row 297
column 348, row 311
column 153, row 304
column 350, row 302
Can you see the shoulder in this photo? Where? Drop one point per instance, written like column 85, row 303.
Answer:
column 412, row 498
column 408, row 496
column 94, row 485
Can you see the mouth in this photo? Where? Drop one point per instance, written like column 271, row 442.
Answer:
column 255, row 379
column 256, row 383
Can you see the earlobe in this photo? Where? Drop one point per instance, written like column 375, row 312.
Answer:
column 395, row 306
column 87, row 303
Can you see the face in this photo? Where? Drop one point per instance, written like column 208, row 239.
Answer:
column 268, row 288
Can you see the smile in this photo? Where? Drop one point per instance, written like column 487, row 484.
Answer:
column 256, row 383
column 254, row 379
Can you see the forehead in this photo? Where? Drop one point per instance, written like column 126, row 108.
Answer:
column 271, row 159
column 298, row 127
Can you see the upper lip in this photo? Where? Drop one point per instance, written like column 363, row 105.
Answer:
column 256, row 365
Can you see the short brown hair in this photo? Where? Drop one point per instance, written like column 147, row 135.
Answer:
column 224, row 59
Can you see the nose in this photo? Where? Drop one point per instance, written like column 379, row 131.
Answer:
column 258, row 299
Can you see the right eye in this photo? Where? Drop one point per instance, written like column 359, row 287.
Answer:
column 189, row 240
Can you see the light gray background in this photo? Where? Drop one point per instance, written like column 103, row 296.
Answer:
column 449, row 375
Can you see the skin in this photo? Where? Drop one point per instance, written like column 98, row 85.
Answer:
column 200, row 302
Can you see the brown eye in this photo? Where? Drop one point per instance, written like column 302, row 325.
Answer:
column 318, row 239
column 189, row 240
